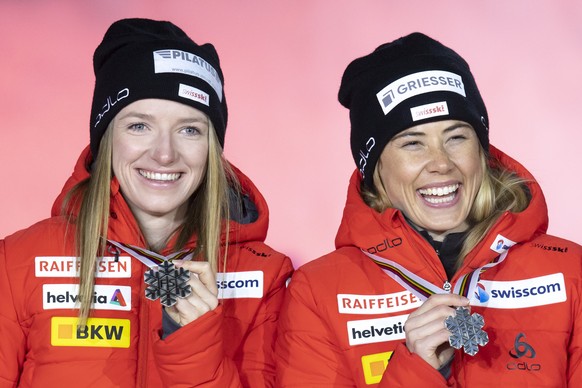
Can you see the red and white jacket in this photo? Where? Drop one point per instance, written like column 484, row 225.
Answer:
column 342, row 324
column 231, row 346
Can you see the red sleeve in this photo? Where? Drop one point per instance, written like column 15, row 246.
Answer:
column 256, row 360
column 407, row 369
column 575, row 345
column 305, row 351
column 13, row 347
column 194, row 355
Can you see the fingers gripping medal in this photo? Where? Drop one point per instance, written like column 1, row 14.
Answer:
column 466, row 331
column 164, row 281
column 167, row 283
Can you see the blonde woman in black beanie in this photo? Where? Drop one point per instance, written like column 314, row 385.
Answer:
column 153, row 269
column 443, row 273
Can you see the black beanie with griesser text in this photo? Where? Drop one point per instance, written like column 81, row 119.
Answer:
column 410, row 81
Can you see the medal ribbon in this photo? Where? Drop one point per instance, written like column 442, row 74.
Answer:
column 152, row 259
column 422, row 288
column 468, row 282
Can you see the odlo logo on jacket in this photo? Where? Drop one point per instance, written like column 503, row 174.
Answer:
column 522, row 349
column 385, row 245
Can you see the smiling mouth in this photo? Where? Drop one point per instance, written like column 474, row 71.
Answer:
column 438, row 195
column 158, row 176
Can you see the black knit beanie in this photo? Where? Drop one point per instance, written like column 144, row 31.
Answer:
column 142, row 58
column 410, row 81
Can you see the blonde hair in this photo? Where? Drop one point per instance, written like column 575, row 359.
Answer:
column 501, row 190
column 207, row 213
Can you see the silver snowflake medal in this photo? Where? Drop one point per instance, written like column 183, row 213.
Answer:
column 167, row 283
column 466, row 331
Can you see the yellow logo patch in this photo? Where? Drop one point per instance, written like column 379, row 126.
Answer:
column 374, row 366
column 99, row 332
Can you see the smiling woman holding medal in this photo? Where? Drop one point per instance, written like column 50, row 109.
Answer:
column 443, row 274
column 152, row 271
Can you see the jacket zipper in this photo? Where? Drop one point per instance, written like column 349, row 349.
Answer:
column 438, row 270
column 447, row 286
column 143, row 338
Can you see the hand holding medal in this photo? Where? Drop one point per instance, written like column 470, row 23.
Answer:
column 187, row 289
column 204, row 295
column 425, row 333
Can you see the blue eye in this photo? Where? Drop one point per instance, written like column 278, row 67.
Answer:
column 137, row 127
column 191, row 131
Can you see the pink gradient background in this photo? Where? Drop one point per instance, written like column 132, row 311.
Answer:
column 283, row 62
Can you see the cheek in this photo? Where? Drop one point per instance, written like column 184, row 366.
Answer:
column 398, row 182
column 196, row 157
column 396, row 172
column 473, row 169
column 121, row 155
column 123, row 145
column 116, row 161
column 397, row 175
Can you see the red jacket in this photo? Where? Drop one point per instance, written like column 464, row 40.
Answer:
column 342, row 321
column 122, row 346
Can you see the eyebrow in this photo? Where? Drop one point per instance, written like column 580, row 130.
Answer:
column 458, row 125
column 147, row 116
column 406, row 133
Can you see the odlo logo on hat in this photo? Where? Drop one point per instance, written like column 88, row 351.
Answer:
column 365, row 154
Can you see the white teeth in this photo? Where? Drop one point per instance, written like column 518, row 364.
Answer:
column 439, row 200
column 157, row 176
column 439, row 191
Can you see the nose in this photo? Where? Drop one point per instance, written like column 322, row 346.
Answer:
column 163, row 149
column 439, row 160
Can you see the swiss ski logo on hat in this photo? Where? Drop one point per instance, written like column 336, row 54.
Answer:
column 194, row 94
column 429, row 110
